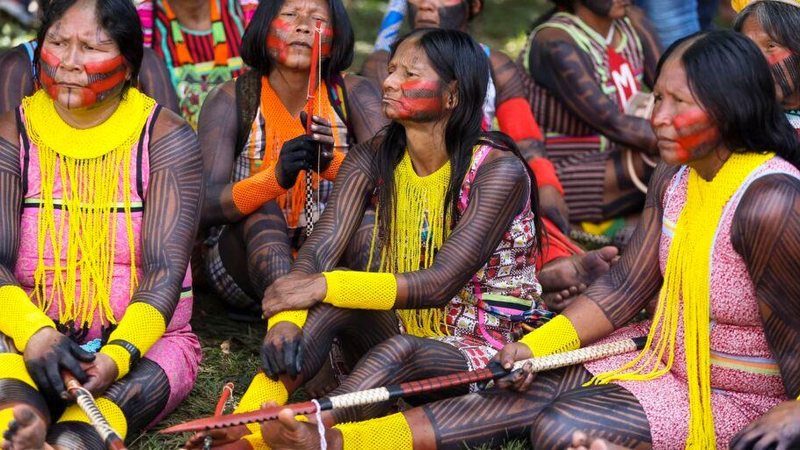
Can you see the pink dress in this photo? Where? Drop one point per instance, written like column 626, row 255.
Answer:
column 745, row 379
column 178, row 350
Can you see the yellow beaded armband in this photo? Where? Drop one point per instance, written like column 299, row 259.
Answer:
column 297, row 317
column 21, row 319
column 556, row 336
column 140, row 328
column 361, row 290
column 390, row 433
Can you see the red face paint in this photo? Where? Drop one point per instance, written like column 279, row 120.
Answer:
column 326, row 42
column 696, row 133
column 278, row 40
column 419, row 101
column 785, row 67
column 103, row 79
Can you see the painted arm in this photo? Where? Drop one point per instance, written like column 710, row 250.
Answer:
column 650, row 44
column 17, row 79
column 766, row 232
column 375, row 67
column 154, row 80
column 364, row 107
column 558, row 65
column 169, row 225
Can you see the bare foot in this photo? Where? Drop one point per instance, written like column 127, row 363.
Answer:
column 289, row 433
column 219, row 437
column 565, row 278
column 26, row 431
column 580, row 441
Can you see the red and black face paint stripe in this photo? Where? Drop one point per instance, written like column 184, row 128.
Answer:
column 103, row 79
column 697, row 134
column 420, row 101
column 452, row 16
column 278, row 39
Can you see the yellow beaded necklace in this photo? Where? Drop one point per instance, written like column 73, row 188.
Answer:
column 88, row 163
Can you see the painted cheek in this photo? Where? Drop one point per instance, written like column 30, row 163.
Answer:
column 49, row 64
column 420, row 100
column 695, row 132
column 276, row 39
column 326, row 42
column 453, row 17
column 105, row 77
column 778, row 57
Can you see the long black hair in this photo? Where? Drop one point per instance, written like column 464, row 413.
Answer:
column 254, row 50
column 730, row 78
column 455, row 56
column 780, row 21
column 117, row 17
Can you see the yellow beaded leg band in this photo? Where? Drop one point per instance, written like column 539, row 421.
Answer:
column 21, row 319
column 256, row 441
column 112, row 413
column 361, row 290
column 12, row 366
column 261, row 390
column 297, row 317
column 140, row 328
column 6, row 415
column 556, row 336
column 387, row 433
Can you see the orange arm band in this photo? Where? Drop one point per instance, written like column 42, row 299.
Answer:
column 333, row 169
column 545, row 173
column 516, row 120
column 252, row 192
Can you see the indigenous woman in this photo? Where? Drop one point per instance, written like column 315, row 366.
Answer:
column 100, row 195
column 199, row 42
column 506, row 101
column 18, row 76
column 256, row 150
column 722, row 347
column 587, row 60
column 456, row 226
column 774, row 25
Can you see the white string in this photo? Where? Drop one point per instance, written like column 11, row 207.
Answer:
column 323, row 444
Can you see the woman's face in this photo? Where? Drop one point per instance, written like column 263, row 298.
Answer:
column 413, row 91
column 613, row 9
column 81, row 66
column 684, row 130
column 445, row 14
column 785, row 64
column 291, row 33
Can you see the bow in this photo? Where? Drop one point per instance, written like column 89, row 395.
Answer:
column 382, row 394
column 311, row 94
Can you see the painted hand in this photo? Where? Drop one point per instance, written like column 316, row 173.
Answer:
column 47, row 353
column 282, row 350
column 778, row 429
column 322, row 135
column 518, row 380
column 553, row 206
column 102, row 373
column 293, row 292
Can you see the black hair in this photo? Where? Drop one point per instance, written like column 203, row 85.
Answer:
column 117, row 17
column 731, row 80
column 455, row 56
column 254, row 50
column 779, row 20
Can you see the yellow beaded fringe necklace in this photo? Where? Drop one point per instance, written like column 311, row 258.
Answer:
column 687, row 278
column 419, row 201
column 88, row 164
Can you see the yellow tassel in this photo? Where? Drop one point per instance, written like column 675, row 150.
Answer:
column 686, row 281
column 88, row 163
column 418, row 200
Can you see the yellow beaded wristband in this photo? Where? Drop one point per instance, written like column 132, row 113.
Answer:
column 21, row 319
column 140, row 328
column 297, row 317
column 556, row 336
column 361, row 290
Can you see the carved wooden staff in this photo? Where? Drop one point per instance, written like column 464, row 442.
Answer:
column 86, row 401
column 382, row 394
column 312, row 92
